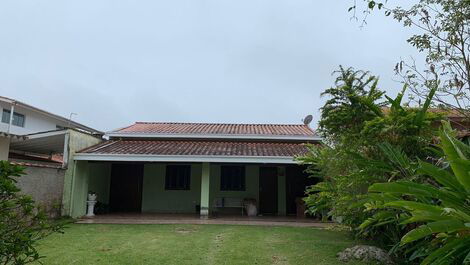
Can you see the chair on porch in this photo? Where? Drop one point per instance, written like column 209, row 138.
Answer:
column 228, row 202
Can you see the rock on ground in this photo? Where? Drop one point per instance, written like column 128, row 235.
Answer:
column 366, row 254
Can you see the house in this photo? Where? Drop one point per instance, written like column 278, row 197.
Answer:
column 44, row 143
column 201, row 168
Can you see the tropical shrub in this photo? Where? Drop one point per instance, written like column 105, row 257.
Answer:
column 22, row 223
column 354, row 121
column 436, row 212
column 369, row 138
column 351, row 102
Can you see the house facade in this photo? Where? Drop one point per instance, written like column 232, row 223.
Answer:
column 193, row 168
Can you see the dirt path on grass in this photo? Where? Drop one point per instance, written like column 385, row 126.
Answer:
column 271, row 242
column 214, row 248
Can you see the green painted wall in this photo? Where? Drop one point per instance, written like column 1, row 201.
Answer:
column 96, row 177
column 99, row 179
column 251, row 184
column 77, row 142
column 281, row 191
column 79, row 189
column 156, row 199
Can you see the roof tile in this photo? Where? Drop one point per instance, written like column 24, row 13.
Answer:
column 218, row 129
column 198, row 148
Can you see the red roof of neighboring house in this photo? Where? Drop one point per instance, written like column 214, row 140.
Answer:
column 56, row 158
column 198, row 148
column 218, row 128
column 32, row 164
column 30, row 160
column 446, row 112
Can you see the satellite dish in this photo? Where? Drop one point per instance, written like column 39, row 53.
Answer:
column 308, row 119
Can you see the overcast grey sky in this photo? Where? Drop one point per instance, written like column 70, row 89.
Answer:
column 114, row 62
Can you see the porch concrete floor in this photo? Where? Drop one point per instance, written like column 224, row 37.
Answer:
column 148, row 218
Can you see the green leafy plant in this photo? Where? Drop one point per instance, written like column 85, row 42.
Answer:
column 22, row 223
column 351, row 102
column 369, row 139
column 354, row 121
column 437, row 210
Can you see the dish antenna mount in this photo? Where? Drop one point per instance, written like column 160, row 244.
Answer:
column 308, row 119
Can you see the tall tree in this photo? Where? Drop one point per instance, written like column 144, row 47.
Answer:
column 351, row 102
column 443, row 34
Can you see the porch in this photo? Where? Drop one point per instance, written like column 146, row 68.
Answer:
column 155, row 218
column 188, row 189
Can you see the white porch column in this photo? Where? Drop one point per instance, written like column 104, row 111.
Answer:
column 205, row 185
column 12, row 111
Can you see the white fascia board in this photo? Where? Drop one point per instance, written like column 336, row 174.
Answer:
column 46, row 134
column 215, row 136
column 181, row 158
column 7, row 100
column 13, row 136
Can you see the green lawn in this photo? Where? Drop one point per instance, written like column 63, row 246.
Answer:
column 192, row 244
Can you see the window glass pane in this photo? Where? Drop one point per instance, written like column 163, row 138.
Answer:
column 6, row 116
column 232, row 178
column 178, row 177
column 18, row 119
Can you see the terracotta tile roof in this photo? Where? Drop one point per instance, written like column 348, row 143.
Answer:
column 198, row 148
column 218, row 128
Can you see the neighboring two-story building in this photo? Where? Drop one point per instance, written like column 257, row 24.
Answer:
column 21, row 119
column 44, row 143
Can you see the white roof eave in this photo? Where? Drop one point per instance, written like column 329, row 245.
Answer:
column 184, row 158
column 215, row 136
column 13, row 136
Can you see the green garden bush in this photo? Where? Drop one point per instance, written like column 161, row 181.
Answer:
column 22, row 223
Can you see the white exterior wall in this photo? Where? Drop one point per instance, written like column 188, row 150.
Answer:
column 34, row 122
